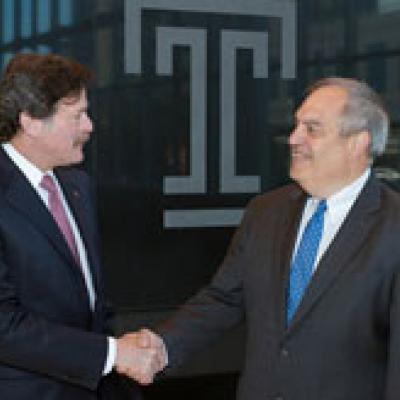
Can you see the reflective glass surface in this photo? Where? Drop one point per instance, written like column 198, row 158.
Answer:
column 192, row 109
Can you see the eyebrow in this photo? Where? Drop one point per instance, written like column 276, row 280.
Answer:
column 308, row 121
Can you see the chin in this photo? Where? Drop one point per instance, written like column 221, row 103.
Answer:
column 78, row 161
column 294, row 174
column 79, row 157
column 300, row 170
column 303, row 182
column 73, row 161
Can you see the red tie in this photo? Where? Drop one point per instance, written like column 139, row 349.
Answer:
column 58, row 212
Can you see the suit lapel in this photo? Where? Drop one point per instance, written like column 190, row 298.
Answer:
column 348, row 240
column 286, row 238
column 23, row 198
column 26, row 201
column 79, row 206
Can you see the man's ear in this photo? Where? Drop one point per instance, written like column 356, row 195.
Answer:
column 29, row 125
column 361, row 143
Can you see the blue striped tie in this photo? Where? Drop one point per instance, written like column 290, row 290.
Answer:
column 303, row 262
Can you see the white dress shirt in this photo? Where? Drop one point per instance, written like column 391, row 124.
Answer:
column 338, row 206
column 34, row 175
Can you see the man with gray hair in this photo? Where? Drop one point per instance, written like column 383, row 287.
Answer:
column 314, row 269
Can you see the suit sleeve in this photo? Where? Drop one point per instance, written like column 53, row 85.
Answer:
column 32, row 343
column 393, row 367
column 215, row 309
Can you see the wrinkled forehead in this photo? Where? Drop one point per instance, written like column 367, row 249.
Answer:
column 325, row 102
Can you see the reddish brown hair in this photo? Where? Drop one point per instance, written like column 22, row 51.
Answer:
column 34, row 84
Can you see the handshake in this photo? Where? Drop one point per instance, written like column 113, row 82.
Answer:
column 140, row 356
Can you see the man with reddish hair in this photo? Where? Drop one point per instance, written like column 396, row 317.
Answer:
column 55, row 341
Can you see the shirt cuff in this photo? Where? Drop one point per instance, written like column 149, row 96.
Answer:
column 111, row 355
column 164, row 352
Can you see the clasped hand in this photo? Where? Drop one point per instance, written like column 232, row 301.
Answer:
column 140, row 356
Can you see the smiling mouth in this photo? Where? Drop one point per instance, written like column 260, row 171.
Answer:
column 297, row 154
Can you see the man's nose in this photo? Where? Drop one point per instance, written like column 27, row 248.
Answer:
column 295, row 136
column 88, row 124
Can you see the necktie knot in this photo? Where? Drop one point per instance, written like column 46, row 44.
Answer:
column 322, row 207
column 48, row 184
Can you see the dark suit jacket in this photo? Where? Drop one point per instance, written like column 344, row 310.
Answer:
column 52, row 346
column 344, row 341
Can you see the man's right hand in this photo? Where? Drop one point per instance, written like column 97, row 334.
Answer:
column 140, row 355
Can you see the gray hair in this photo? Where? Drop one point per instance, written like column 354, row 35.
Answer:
column 364, row 111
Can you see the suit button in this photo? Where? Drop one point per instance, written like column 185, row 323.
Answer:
column 284, row 352
column 278, row 398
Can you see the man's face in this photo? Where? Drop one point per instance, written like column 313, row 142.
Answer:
column 64, row 134
column 321, row 159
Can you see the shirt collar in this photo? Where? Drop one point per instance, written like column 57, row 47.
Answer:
column 31, row 171
column 345, row 197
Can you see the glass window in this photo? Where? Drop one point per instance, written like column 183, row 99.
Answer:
column 43, row 16
column 65, row 12
column 26, row 18
column 376, row 68
column 8, row 13
column 143, row 121
column 43, row 49
column 388, row 5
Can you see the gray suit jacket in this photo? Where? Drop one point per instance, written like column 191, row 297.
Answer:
column 344, row 341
